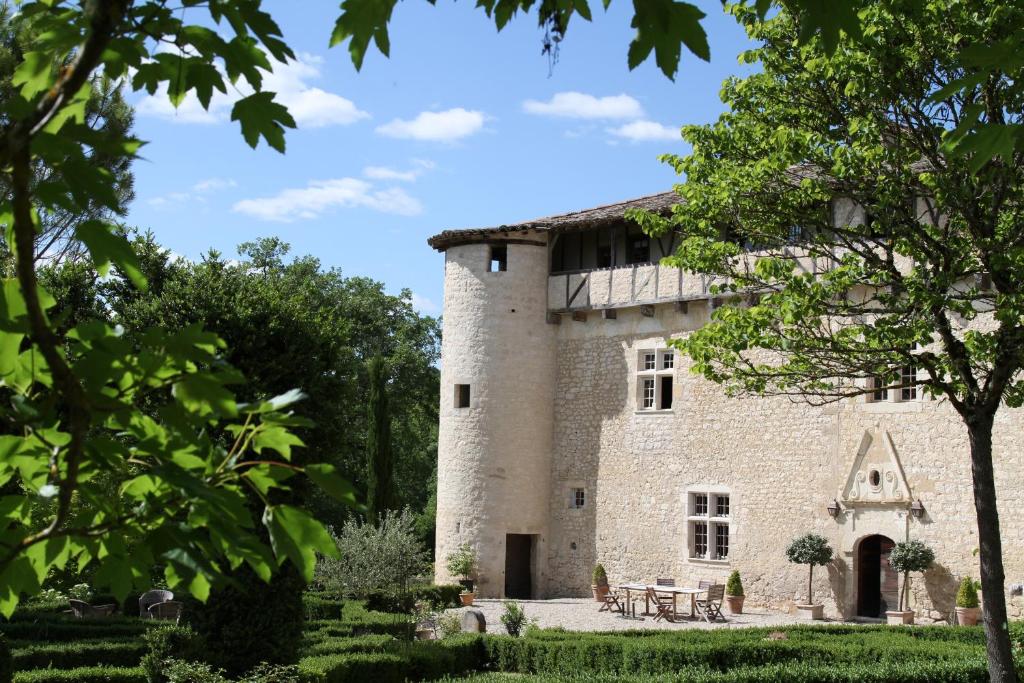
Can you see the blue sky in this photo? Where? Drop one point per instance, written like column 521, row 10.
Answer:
column 461, row 127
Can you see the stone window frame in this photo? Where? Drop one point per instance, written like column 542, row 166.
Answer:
column 650, row 374
column 711, row 522
column 577, row 497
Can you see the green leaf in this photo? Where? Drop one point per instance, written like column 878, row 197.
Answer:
column 359, row 21
column 297, row 536
column 326, row 477
column 35, row 74
column 277, row 438
column 204, row 395
column 663, row 26
column 259, row 115
column 989, row 141
column 107, row 247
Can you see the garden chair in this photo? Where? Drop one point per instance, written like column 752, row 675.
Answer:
column 166, row 611
column 612, row 604
column 705, row 584
column 83, row 610
column 665, row 605
column 150, row 598
column 710, row 606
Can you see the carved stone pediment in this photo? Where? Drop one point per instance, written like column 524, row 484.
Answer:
column 876, row 476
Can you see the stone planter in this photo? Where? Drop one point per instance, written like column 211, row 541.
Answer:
column 424, row 634
column 599, row 592
column 968, row 616
column 735, row 603
column 467, row 599
column 814, row 612
column 897, row 618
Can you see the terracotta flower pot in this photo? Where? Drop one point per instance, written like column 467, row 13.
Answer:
column 897, row 618
column 815, row 612
column 735, row 603
column 467, row 599
column 599, row 592
column 968, row 616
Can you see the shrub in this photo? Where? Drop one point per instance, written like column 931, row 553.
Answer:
column 375, row 558
column 733, row 585
column 272, row 673
column 404, row 602
column 449, row 624
column 462, row 562
column 599, row 578
column 251, row 621
column 68, row 655
column 86, row 674
column 513, row 618
column 6, row 665
column 907, row 557
column 967, row 594
column 810, row 549
column 60, row 629
column 168, row 644
column 319, row 606
column 180, row 671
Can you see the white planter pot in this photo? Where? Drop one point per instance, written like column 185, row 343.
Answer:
column 812, row 612
column 895, row 618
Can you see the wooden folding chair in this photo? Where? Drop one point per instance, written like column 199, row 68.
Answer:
column 705, row 584
column 612, row 604
column 664, row 605
column 710, row 606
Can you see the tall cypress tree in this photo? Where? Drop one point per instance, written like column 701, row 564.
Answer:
column 379, row 465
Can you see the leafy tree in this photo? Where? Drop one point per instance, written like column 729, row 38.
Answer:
column 907, row 557
column 379, row 486
column 812, row 550
column 109, row 118
column 910, row 281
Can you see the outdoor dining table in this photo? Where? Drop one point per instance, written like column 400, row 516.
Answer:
column 674, row 590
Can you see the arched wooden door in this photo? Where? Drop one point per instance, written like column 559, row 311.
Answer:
column 877, row 583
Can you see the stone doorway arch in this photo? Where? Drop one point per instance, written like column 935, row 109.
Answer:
column 877, row 582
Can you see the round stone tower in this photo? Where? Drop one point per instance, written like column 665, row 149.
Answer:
column 497, row 385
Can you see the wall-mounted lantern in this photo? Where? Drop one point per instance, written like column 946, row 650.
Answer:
column 917, row 509
column 833, row 508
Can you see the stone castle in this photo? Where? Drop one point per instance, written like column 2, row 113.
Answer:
column 571, row 434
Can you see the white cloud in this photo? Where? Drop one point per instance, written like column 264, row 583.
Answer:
column 197, row 193
column 578, row 105
column 419, row 167
column 438, row 126
column 387, row 173
column 319, row 196
column 311, row 107
column 211, row 184
column 644, row 131
column 424, row 305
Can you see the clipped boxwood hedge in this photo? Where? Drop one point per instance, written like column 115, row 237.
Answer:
column 69, row 655
column 86, row 674
column 64, row 630
column 441, row 596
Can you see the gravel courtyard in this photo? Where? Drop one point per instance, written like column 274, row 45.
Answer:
column 580, row 614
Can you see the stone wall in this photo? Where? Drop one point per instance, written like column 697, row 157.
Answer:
column 781, row 461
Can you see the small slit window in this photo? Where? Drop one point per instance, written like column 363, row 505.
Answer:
column 462, row 395
column 499, row 259
column 578, row 498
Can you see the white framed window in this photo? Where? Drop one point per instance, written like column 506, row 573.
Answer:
column 577, row 498
column 709, row 524
column 655, row 379
column 908, row 378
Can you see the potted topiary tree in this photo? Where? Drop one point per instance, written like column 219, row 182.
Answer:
column 600, row 583
column 906, row 557
column 812, row 550
column 734, row 593
column 462, row 563
column 967, row 610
